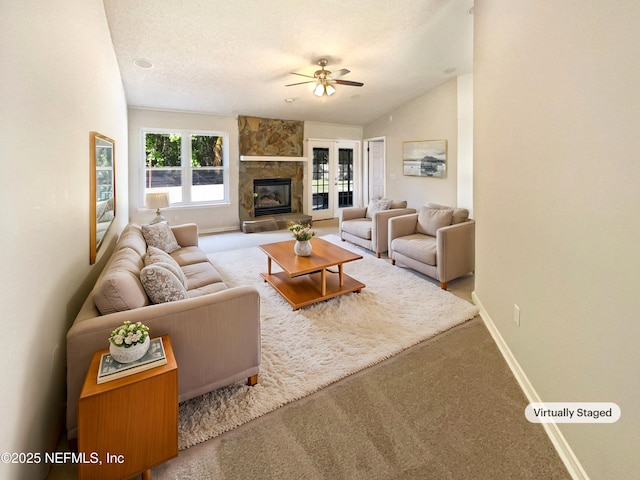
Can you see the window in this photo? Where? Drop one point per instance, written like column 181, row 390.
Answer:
column 191, row 166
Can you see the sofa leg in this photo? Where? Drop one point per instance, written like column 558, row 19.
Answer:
column 444, row 285
column 393, row 262
column 252, row 380
column 377, row 254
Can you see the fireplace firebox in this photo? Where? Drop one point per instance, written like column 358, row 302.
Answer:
column 271, row 196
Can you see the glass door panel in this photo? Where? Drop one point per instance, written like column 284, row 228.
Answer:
column 321, row 182
column 344, row 180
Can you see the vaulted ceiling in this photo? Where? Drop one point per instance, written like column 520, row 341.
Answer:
column 234, row 57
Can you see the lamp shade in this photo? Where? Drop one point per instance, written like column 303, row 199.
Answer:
column 156, row 200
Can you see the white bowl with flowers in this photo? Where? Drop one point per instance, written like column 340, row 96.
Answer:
column 129, row 342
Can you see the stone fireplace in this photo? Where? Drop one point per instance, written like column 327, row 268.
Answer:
column 252, row 171
column 271, row 149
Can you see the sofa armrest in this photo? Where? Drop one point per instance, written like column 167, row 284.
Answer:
column 402, row 226
column 351, row 213
column 456, row 250
column 186, row 234
column 380, row 227
column 211, row 336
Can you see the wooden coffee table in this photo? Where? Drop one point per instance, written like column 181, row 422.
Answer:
column 307, row 280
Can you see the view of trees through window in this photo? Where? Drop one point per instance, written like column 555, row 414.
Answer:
column 199, row 180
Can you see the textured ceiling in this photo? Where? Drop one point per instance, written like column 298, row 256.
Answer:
column 234, row 57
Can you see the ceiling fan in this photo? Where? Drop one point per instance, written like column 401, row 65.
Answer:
column 325, row 80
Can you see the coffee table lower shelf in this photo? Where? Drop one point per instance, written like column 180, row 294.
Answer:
column 305, row 290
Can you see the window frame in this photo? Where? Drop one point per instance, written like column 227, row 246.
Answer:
column 186, row 169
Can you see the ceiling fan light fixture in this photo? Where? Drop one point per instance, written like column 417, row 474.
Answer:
column 319, row 90
column 330, row 89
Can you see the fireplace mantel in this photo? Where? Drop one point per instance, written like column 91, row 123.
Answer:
column 270, row 158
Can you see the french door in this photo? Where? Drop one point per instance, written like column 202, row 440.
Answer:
column 332, row 182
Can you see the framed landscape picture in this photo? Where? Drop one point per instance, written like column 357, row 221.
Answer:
column 426, row 158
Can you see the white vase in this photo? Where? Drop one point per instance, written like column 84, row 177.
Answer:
column 302, row 248
column 131, row 354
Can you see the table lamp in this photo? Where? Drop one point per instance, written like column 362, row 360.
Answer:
column 157, row 201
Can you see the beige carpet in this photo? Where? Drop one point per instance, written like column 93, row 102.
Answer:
column 306, row 350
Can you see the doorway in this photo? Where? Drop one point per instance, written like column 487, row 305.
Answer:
column 334, row 177
column 374, row 168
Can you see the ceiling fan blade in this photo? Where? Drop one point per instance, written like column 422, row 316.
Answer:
column 301, row 83
column 348, row 82
column 302, row 75
column 339, row 73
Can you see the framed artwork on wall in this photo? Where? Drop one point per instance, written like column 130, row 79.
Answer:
column 425, row 158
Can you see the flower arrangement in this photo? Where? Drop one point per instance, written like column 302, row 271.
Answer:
column 129, row 334
column 301, row 232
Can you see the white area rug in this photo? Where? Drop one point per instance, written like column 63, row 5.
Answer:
column 308, row 349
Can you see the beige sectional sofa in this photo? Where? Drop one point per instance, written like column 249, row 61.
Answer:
column 214, row 330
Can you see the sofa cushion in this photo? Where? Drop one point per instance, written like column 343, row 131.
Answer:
column 189, row 256
column 377, row 205
column 417, row 246
column 460, row 215
column 159, row 235
column 200, row 274
column 431, row 219
column 132, row 237
column 206, row 290
column 360, row 227
column 120, row 288
column 161, row 285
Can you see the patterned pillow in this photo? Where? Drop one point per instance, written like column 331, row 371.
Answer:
column 155, row 255
column 161, row 285
column 159, row 235
column 377, row 206
column 431, row 219
column 176, row 270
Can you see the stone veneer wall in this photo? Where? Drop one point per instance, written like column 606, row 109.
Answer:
column 270, row 137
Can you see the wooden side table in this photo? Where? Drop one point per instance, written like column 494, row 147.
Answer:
column 128, row 425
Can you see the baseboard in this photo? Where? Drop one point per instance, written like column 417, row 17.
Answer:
column 218, row 230
column 553, row 432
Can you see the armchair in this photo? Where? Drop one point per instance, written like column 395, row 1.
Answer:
column 438, row 242
column 368, row 226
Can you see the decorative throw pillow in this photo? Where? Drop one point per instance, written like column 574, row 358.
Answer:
column 460, row 215
column 175, row 269
column 159, row 235
column 161, row 285
column 402, row 204
column 431, row 219
column 377, row 205
column 155, row 255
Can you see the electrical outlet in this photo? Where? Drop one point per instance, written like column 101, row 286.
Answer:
column 516, row 315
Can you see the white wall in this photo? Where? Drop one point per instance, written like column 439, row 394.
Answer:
column 432, row 116
column 465, row 142
column 331, row 131
column 60, row 80
column 209, row 218
column 556, row 145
